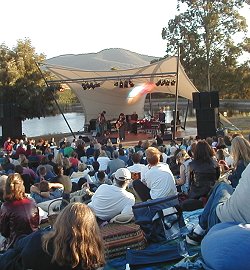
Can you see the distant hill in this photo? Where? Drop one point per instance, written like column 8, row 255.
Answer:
column 103, row 60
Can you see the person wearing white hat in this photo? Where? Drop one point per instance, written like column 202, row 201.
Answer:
column 112, row 200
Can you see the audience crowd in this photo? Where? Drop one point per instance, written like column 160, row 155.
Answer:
column 106, row 180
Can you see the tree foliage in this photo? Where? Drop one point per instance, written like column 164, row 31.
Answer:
column 205, row 32
column 21, row 82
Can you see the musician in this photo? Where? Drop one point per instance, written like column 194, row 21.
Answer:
column 100, row 123
column 121, row 126
column 161, row 119
column 133, row 120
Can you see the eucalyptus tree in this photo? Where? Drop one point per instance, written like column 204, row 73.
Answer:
column 23, row 92
column 205, row 30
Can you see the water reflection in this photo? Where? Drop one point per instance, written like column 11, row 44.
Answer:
column 56, row 124
column 53, row 124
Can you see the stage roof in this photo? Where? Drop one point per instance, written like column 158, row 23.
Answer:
column 114, row 99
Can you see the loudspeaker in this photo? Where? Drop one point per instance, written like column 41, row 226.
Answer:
column 207, row 122
column 196, row 100
column 167, row 137
column 92, row 124
column 204, row 100
column 214, row 98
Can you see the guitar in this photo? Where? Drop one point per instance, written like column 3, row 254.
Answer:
column 118, row 124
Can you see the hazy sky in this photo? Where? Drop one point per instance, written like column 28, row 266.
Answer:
column 58, row 27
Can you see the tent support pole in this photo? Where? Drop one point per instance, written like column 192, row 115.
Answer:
column 176, row 92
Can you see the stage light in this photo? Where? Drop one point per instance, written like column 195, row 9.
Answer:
column 121, row 84
column 116, row 83
column 158, row 83
column 163, row 82
column 173, row 82
column 131, row 84
column 87, row 85
column 91, row 85
column 84, row 86
column 125, row 84
column 167, row 82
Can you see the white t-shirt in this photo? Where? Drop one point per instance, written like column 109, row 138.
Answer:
column 110, row 200
column 103, row 161
column 160, row 180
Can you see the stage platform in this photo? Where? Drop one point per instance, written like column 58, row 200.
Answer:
column 132, row 139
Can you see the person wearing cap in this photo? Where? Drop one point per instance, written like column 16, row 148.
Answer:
column 112, row 200
column 159, row 181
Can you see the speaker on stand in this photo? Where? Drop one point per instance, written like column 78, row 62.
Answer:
column 207, row 113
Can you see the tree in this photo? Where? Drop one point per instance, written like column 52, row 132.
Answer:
column 23, row 92
column 205, row 32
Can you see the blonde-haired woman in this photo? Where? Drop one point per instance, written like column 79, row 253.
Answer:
column 59, row 159
column 240, row 151
column 19, row 215
column 74, row 243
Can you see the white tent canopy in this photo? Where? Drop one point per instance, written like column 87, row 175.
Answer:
column 113, row 99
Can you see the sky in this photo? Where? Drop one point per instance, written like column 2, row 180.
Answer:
column 57, row 27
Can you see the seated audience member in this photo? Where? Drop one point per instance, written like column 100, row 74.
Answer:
column 51, row 160
column 26, row 170
column 204, row 170
column 67, row 166
column 115, row 164
column 74, row 243
column 19, row 215
column 83, row 171
column 3, row 179
column 122, row 155
column 174, row 166
column 43, row 174
column 8, row 146
column 21, row 149
column 162, row 149
column 111, row 200
column 173, row 147
column 80, row 149
column 240, row 150
column 220, row 155
column 68, row 150
column 138, row 147
column 101, row 178
column 103, row 160
column 183, row 159
column 95, row 166
column 45, row 191
column 34, row 159
column 64, row 180
column 74, row 161
column 59, row 159
column 45, row 162
column 233, row 249
column 27, row 180
column 137, row 169
column 7, row 166
column 52, row 142
column 224, row 205
column 90, row 150
column 159, row 181
column 110, row 148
